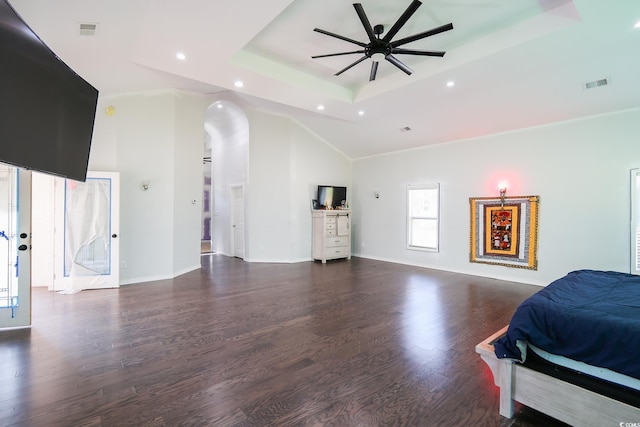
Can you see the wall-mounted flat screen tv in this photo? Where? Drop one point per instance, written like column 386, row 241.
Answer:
column 329, row 195
column 47, row 111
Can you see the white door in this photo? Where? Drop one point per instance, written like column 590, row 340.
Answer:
column 237, row 217
column 15, row 247
column 88, row 247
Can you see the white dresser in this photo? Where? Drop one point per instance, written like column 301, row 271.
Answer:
column 331, row 234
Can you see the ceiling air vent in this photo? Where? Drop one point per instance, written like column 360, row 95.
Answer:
column 405, row 129
column 596, row 83
column 88, row 29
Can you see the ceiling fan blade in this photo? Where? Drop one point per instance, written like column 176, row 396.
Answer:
column 432, row 32
column 352, row 65
column 365, row 21
column 417, row 52
column 337, row 54
column 338, row 36
column 374, row 71
column 402, row 20
column 395, row 61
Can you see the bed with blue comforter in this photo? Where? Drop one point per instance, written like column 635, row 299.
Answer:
column 589, row 316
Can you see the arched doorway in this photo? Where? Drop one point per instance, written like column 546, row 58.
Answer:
column 226, row 157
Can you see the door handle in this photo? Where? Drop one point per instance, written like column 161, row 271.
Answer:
column 22, row 247
column 114, row 235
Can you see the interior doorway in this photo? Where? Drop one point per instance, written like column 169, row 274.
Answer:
column 206, row 245
column 237, row 223
column 227, row 136
column 94, row 263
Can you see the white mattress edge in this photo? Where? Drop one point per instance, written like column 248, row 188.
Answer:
column 594, row 371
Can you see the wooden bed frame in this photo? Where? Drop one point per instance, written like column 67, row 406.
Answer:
column 561, row 400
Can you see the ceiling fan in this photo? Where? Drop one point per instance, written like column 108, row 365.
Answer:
column 385, row 46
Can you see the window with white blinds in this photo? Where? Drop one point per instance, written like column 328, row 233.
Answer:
column 635, row 221
column 423, row 216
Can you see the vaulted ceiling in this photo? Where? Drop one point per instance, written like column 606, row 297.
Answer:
column 509, row 64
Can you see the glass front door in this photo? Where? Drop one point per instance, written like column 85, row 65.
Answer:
column 15, row 247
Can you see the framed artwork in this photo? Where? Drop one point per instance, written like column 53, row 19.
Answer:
column 504, row 231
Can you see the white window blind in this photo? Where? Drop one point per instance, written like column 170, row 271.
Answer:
column 635, row 221
column 423, row 217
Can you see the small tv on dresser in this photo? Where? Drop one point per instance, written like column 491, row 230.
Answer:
column 331, row 196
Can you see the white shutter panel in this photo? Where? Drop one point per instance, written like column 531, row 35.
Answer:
column 637, row 254
column 635, row 221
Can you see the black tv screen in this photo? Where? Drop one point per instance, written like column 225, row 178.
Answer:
column 329, row 195
column 47, row 111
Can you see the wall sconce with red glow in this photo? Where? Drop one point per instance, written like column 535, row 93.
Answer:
column 503, row 193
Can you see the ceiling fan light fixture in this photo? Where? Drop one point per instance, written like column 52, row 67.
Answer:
column 378, row 47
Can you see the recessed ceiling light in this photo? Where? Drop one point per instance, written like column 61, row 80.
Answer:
column 219, row 106
column 181, row 56
column 637, row 25
column 238, row 83
column 320, row 107
column 361, row 113
column 451, row 84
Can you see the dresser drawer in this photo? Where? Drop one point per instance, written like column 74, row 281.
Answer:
column 337, row 252
column 335, row 241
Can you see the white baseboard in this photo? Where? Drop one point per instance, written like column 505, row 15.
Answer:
column 277, row 261
column 135, row 280
column 459, row 271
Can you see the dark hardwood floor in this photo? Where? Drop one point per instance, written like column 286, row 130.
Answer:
column 347, row 343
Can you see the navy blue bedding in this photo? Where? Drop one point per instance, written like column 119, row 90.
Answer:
column 588, row 315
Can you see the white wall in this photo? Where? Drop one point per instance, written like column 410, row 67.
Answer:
column 267, row 197
column 188, row 151
column 159, row 137
column 145, row 149
column 280, row 165
column 313, row 163
column 580, row 170
column 286, row 164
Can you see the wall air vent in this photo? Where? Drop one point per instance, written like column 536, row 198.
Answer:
column 596, row 83
column 88, row 28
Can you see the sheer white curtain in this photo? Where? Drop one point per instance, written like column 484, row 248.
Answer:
column 87, row 240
